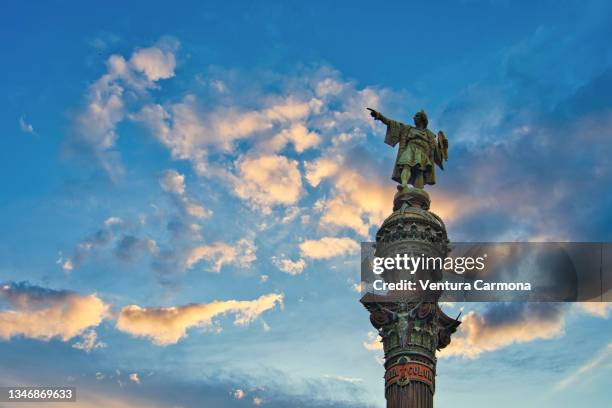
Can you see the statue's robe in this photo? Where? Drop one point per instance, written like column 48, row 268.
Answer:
column 418, row 148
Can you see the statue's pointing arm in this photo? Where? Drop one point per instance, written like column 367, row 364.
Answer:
column 379, row 116
column 392, row 136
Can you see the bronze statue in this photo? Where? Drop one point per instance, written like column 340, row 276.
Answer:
column 419, row 150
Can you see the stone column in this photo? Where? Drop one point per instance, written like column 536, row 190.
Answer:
column 411, row 324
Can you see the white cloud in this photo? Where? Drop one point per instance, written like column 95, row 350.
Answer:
column 89, row 341
column 173, row 182
column 218, row 254
column 113, row 221
column 266, row 181
column 374, row 342
column 167, row 325
column 350, row 380
column 320, row 169
column 105, row 107
column 291, row 214
column 154, row 63
column 298, row 134
column 288, row 266
column 585, row 371
column 189, row 132
column 357, row 286
column 25, row 126
column 67, row 265
column 196, row 210
column 328, row 247
column 134, row 378
column 307, row 111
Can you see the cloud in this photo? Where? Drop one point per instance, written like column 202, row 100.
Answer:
column 598, row 309
column 94, row 131
column 173, row 183
column 95, row 125
column 195, row 210
column 43, row 314
column 544, row 121
column 130, row 247
column 167, row 325
column 350, row 380
column 374, row 342
column 596, row 362
column 89, row 341
column 66, row 264
column 456, row 206
column 357, row 286
column 98, row 239
column 298, row 134
column 357, row 201
column 322, row 168
column 328, row 247
column 503, row 324
column 288, row 266
column 189, row 133
column 266, row 181
column 218, row 254
column 155, row 63
column 25, row 126
column 309, row 110
column 114, row 230
column 134, row 378
column 131, row 244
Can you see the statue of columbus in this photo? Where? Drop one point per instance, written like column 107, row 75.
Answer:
column 419, row 150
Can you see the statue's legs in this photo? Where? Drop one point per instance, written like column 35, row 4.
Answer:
column 405, row 176
column 419, row 181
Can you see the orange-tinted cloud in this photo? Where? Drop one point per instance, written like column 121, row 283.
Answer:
column 167, row 325
column 328, row 247
column 504, row 324
column 356, row 202
column 268, row 180
column 44, row 314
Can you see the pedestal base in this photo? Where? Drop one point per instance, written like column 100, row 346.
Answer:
column 411, row 197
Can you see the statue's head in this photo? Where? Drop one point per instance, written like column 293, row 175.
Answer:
column 420, row 119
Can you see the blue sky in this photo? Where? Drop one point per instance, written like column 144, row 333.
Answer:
column 185, row 187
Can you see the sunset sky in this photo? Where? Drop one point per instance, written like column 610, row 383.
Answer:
column 185, row 187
